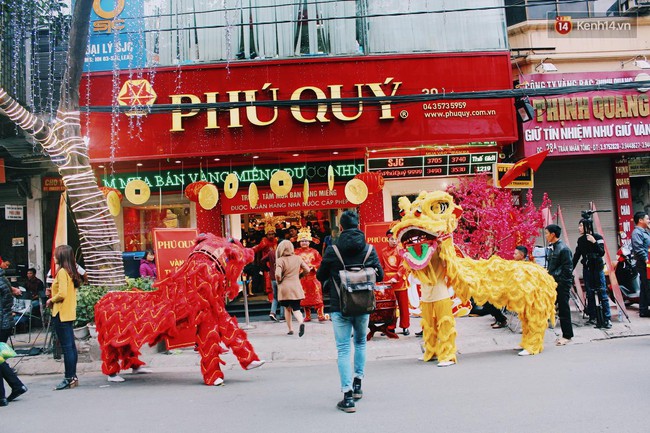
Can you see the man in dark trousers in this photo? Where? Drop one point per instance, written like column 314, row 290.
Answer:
column 590, row 251
column 560, row 266
column 640, row 245
column 353, row 249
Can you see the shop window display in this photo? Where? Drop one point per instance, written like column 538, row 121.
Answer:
column 139, row 223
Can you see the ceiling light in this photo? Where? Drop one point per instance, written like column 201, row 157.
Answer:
column 296, row 154
column 178, row 161
column 100, row 166
column 335, row 153
column 255, row 156
column 217, row 159
column 139, row 164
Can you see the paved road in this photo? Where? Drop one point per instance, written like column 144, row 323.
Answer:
column 597, row 387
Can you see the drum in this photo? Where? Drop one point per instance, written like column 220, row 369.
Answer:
column 384, row 315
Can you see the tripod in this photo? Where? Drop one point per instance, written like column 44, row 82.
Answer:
column 595, row 291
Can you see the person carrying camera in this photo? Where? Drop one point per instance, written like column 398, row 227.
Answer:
column 590, row 251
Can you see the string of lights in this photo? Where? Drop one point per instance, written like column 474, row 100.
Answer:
column 97, row 229
column 398, row 99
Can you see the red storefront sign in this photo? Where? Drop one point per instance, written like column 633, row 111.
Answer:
column 376, row 235
column 172, row 246
column 320, row 197
column 52, row 184
column 623, row 201
column 588, row 123
column 288, row 126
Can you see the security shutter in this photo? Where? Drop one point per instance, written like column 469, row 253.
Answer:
column 572, row 184
column 9, row 195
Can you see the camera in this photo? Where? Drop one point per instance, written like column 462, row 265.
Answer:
column 588, row 223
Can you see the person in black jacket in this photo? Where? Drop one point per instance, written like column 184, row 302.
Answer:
column 353, row 248
column 7, row 294
column 590, row 251
column 560, row 266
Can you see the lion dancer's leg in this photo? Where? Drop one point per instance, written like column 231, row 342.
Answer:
column 237, row 340
column 110, row 360
column 446, row 326
column 208, row 339
column 429, row 330
column 307, row 313
column 533, row 329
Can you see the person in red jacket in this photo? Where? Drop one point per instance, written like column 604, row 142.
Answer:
column 396, row 273
column 311, row 286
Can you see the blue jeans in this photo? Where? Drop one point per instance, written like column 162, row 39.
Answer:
column 344, row 326
column 275, row 303
column 68, row 346
column 596, row 287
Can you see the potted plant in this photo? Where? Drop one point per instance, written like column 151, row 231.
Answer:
column 87, row 297
column 140, row 284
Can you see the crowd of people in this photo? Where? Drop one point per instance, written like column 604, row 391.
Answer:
column 299, row 273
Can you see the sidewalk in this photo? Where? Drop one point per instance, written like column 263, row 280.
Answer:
column 272, row 344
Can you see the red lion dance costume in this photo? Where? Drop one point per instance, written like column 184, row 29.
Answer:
column 194, row 296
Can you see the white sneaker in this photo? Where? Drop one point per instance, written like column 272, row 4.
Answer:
column 115, row 378
column 218, row 382
column 445, row 363
column 255, row 364
column 524, row 353
column 141, row 370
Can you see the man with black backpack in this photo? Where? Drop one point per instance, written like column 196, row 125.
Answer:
column 354, row 251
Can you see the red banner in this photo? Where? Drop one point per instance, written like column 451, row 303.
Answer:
column 588, row 123
column 320, row 197
column 172, row 246
column 278, row 128
column 52, row 184
column 623, row 201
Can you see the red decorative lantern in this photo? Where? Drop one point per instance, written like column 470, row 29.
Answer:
column 192, row 190
column 105, row 190
column 373, row 180
column 204, row 193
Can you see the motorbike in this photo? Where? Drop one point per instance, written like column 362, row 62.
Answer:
column 627, row 276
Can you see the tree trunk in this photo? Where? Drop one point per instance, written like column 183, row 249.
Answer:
column 65, row 145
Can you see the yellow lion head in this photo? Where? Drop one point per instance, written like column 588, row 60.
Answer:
column 430, row 219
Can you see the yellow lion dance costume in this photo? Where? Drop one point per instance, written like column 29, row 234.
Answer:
column 425, row 234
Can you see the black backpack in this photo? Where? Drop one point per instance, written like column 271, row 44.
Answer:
column 357, row 289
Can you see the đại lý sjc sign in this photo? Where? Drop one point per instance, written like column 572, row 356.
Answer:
column 116, row 35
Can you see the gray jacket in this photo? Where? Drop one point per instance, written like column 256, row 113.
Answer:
column 6, row 302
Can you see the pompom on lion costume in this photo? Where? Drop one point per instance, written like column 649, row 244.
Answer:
column 192, row 297
column 425, row 234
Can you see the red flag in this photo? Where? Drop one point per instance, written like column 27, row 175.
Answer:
column 532, row 162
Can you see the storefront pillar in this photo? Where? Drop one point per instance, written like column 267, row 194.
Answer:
column 209, row 221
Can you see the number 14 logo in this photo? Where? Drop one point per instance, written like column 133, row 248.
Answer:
column 563, row 25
